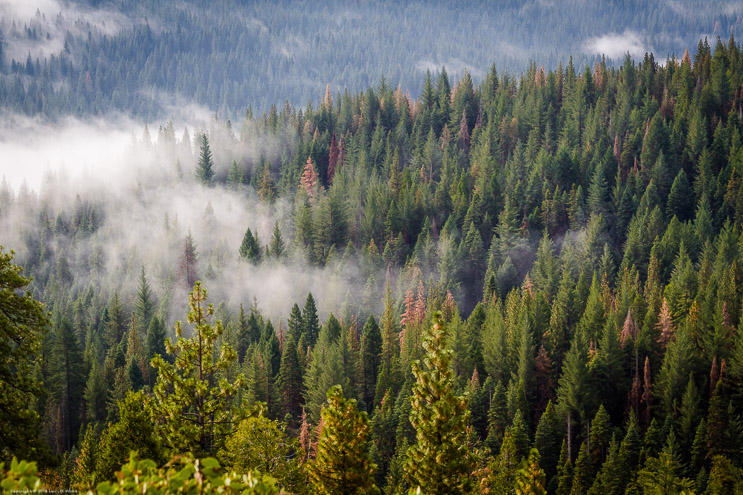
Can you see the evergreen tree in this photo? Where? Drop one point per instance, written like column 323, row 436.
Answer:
column 439, row 461
column 205, row 166
column 342, row 464
column 191, row 407
column 277, row 247
column 530, row 479
column 154, row 346
column 23, row 322
column 68, row 380
column 187, row 262
column 290, row 379
column 144, row 306
column 369, row 357
column 250, row 249
column 134, row 432
column 310, row 322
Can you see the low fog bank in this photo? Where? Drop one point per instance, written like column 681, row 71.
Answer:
column 99, row 200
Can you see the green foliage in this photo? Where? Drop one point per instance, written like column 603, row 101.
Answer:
column 192, row 409
column 21, row 476
column 530, row 479
column 438, row 462
column 22, row 326
column 250, row 249
column 185, row 475
column 205, row 167
column 259, row 444
column 134, row 432
column 342, row 464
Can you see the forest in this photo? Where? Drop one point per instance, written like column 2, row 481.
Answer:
column 150, row 59
column 528, row 285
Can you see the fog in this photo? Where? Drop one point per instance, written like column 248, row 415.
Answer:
column 616, row 45
column 146, row 199
column 50, row 23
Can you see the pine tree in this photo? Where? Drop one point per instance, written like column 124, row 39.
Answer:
column 134, row 432
column 342, row 464
column 144, row 306
column 310, row 182
column 439, row 461
column 205, row 167
column 22, row 324
column 266, row 189
column 530, row 479
column 154, row 345
column 250, row 248
column 95, row 394
column 192, row 408
column 310, row 322
column 187, row 262
column 333, row 159
column 277, row 248
column 68, row 380
column 290, row 380
column 371, row 349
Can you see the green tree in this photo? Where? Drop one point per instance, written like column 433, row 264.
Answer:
column 530, row 479
column 68, row 380
column 311, row 324
column 290, row 380
column 205, row 166
column 371, row 349
column 155, row 346
column 135, row 432
column 22, row 325
column 439, row 461
column 250, row 248
column 261, row 444
column 144, row 305
column 277, row 248
column 193, row 410
column 342, row 464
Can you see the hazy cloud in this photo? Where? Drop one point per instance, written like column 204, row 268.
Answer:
column 146, row 205
column 616, row 46
column 453, row 66
column 51, row 21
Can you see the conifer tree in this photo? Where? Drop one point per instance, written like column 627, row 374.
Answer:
column 205, row 167
column 144, row 306
column 438, row 462
column 310, row 322
column 22, row 325
column 369, row 357
column 277, row 248
column 68, row 380
column 530, row 479
column 310, row 182
column 187, row 262
column 134, row 432
column 191, row 406
column 290, row 379
column 342, row 464
column 250, row 248
column 154, row 345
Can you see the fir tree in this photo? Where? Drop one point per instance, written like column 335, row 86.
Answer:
column 290, row 380
column 439, row 461
column 192, row 408
column 205, row 166
column 342, row 464
column 250, row 249
column 23, row 322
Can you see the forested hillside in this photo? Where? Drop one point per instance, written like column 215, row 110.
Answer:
column 152, row 58
column 529, row 284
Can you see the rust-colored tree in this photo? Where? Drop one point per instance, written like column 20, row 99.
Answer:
column 309, row 182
